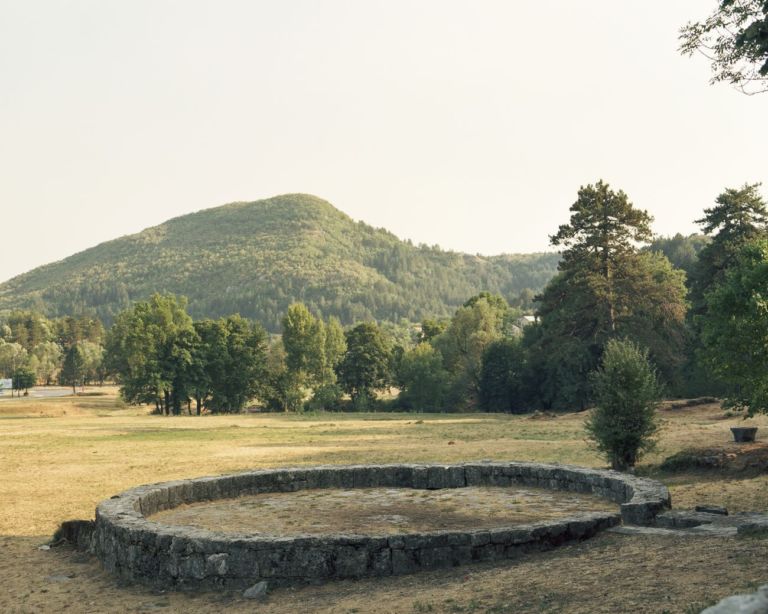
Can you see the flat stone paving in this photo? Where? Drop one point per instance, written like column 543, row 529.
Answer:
column 381, row 511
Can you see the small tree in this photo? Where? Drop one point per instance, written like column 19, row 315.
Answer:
column 626, row 391
column 23, row 379
column 73, row 369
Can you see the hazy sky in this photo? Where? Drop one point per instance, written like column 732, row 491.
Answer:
column 470, row 124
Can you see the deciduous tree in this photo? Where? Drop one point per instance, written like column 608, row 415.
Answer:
column 502, row 378
column 12, row 357
column 423, row 380
column 734, row 329
column 239, row 373
column 48, row 361
column 149, row 349
column 477, row 324
column 304, row 342
column 365, row 367
column 735, row 40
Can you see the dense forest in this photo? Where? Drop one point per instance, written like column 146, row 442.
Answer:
column 257, row 258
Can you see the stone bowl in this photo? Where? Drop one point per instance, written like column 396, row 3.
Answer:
column 743, row 434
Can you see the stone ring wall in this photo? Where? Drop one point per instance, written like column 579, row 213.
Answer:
column 138, row 549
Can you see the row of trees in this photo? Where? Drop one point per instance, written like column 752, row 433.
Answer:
column 35, row 349
column 161, row 357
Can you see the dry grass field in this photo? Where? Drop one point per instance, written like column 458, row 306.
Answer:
column 61, row 456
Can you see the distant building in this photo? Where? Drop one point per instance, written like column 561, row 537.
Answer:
column 520, row 323
column 524, row 321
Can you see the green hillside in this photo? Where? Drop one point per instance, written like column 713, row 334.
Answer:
column 256, row 258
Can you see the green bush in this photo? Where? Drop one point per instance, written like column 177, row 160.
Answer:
column 326, row 398
column 626, row 392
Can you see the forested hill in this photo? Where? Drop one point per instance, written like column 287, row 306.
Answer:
column 256, row 258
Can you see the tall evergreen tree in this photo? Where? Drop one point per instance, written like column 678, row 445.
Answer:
column 603, row 231
column 73, row 368
column 738, row 217
column 605, row 288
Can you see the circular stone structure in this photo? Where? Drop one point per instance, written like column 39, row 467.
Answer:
column 137, row 548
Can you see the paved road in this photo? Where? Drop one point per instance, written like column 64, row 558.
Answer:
column 40, row 392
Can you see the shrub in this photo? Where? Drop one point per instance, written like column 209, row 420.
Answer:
column 626, row 391
column 327, row 397
column 423, row 379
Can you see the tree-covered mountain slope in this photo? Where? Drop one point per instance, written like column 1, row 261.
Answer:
column 256, row 258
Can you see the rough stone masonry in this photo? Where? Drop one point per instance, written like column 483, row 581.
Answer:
column 137, row 549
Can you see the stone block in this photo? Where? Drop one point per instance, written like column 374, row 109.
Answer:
column 435, row 558
column 217, row 564
column 404, row 561
column 381, row 562
column 350, row 562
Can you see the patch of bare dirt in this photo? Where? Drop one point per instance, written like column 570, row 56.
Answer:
column 381, row 511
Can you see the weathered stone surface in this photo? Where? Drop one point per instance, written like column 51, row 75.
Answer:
column 138, row 549
column 712, row 509
column 704, row 523
column 257, row 591
column 756, row 603
column 79, row 533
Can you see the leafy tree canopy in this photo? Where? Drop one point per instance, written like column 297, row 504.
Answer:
column 735, row 40
column 480, row 322
column 423, row 380
column 739, row 216
column 734, row 329
column 365, row 367
column 682, row 251
column 502, row 379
